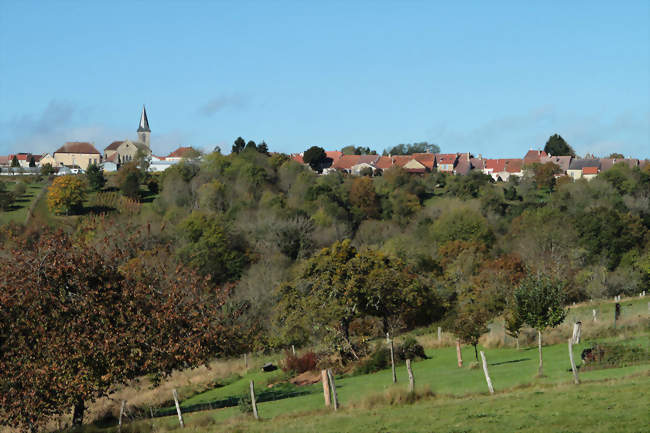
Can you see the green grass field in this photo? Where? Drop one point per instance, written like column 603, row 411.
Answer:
column 523, row 402
column 18, row 213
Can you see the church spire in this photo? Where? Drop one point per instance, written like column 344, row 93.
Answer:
column 144, row 122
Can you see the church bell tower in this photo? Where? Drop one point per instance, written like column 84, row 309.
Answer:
column 143, row 129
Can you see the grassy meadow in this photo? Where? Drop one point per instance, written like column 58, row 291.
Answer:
column 18, row 211
column 448, row 398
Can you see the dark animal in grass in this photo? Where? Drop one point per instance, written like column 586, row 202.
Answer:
column 269, row 367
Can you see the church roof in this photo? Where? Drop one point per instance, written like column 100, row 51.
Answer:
column 114, row 145
column 77, row 147
column 144, row 122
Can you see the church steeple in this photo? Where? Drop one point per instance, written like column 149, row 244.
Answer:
column 143, row 129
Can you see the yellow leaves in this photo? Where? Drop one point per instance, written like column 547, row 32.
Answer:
column 66, row 194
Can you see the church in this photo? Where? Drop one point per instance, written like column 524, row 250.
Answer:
column 121, row 152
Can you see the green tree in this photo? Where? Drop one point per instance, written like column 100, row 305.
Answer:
column 556, row 146
column 14, row 162
column 616, row 156
column 263, row 148
column 315, row 156
column 544, row 175
column 540, row 303
column 409, row 149
column 212, row 247
column 32, row 162
column 7, row 198
column 47, row 169
column 471, row 321
column 66, row 194
column 128, row 180
column 238, row 145
column 251, row 146
column 95, row 177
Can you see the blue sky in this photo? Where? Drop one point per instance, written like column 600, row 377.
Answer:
column 491, row 78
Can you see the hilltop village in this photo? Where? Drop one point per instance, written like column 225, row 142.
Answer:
column 76, row 156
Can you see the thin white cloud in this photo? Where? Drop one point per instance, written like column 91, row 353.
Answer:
column 223, row 101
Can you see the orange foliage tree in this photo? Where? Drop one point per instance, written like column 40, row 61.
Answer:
column 75, row 321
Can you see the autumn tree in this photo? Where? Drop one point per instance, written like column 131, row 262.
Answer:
column 540, row 303
column 363, row 198
column 544, row 174
column 66, row 194
column 74, row 322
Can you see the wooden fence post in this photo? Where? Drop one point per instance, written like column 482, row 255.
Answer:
column 487, row 375
column 439, row 334
column 253, row 402
column 178, row 409
column 326, row 388
column 293, row 350
column 577, row 327
column 593, row 313
column 458, row 354
column 119, row 425
column 573, row 364
column 245, row 361
column 411, row 378
column 335, row 399
column 392, row 361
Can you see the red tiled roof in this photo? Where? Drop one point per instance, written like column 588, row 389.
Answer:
column 345, row 162
column 401, row 160
column 298, row 158
column 533, row 156
column 384, row 162
column 112, row 158
column 20, row 156
column 589, row 170
column 181, row 152
column 514, row 165
column 4, row 160
column 114, row 145
column 446, row 158
column 477, row 163
column 77, row 147
column 426, row 159
column 333, row 154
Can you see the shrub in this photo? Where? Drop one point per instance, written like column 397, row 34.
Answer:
column 7, row 198
column 245, row 403
column 410, row 349
column 610, row 355
column 378, row 360
column 20, row 189
column 153, row 186
column 300, row 364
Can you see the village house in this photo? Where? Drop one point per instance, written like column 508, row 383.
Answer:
column 534, row 156
column 561, row 161
column 77, row 153
column 47, row 159
column 576, row 167
column 446, row 162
